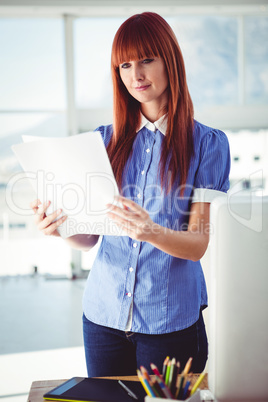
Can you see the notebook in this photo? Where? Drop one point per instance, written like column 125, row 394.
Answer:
column 96, row 390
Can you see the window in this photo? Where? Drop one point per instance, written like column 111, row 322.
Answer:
column 92, row 60
column 209, row 46
column 32, row 66
column 256, row 60
column 93, row 43
column 32, row 87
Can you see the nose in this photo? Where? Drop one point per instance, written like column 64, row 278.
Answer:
column 137, row 72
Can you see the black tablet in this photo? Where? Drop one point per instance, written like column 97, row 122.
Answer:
column 96, row 390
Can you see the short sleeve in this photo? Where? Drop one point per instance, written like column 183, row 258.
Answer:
column 212, row 177
column 106, row 133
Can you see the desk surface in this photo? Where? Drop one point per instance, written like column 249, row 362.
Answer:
column 39, row 388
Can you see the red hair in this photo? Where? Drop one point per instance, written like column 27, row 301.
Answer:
column 139, row 37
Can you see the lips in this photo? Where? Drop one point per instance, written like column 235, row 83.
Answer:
column 142, row 88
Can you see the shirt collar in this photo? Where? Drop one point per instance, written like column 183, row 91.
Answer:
column 160, row 124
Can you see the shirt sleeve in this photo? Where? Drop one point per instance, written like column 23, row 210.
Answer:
column 106, row 133
column 212, row 177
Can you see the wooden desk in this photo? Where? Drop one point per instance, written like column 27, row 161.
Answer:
column 39, row 388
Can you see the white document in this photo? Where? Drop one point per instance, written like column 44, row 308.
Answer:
column 75, row 174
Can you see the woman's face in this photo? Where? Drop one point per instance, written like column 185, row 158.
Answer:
column 146, row 80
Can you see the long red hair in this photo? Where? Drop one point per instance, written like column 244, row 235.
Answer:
column 139, row 37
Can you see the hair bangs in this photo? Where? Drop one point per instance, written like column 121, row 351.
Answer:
column 128, row 46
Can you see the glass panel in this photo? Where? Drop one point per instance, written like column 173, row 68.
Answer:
column 32, row 64
column 256, row 59
column 209, row 46
column 93, row 43
column 14, row 125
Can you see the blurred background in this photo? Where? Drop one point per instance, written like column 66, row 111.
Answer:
column 55, row 81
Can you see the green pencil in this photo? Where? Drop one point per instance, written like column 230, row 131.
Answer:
column 167, row 372
column 171, row 372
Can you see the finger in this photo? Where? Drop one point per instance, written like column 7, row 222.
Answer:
column 34, row 205
column 120, row 218
column 48, row 220
column 121, row 223
column 124, row 213
column 51, row 228
column 40, row 213
column 132, row 229
column 43, row 207
column 126, row 202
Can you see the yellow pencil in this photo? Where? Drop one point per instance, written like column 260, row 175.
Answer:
column 148, row 392
column 198, row 382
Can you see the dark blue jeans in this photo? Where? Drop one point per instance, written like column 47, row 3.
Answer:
column 110, row 352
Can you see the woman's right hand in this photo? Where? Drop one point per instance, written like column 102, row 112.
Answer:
column 45, row 222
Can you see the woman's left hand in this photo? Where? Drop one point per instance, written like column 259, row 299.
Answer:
column 132, row 219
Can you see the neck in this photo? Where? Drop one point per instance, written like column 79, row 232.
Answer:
column 152, row 113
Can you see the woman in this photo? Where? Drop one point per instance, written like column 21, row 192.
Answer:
column 146, row 291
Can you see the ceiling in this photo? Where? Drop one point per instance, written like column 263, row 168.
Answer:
column 127, row 7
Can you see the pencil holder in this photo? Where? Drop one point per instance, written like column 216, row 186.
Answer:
column 195, row 398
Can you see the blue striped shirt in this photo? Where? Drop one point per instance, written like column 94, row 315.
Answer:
column 133, row 285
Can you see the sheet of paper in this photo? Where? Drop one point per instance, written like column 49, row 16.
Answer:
column 75, row 174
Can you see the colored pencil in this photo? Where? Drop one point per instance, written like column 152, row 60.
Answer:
column 171, row 372
column 187, row 366
column 186, row 369
column 167, row 373
column 145, row 374
column 185, row 389
column 145, row 384
column 147, row 377
column 164, row 388
column 156, row 387
column 198, row 382
column 179, row 389
column 174, row 379
column 156, row 371
column 165, row 367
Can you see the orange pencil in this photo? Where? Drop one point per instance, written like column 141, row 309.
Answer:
column 187, row 367
column 145, row 374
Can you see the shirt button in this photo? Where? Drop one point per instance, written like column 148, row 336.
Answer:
column 147, row 150
column 139, row 195
column 142, row 172
column 135, row 245
column 131, row 269
column 129, row 294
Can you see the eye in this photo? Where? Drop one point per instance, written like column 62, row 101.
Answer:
column 125, row 65
column 147, row 61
